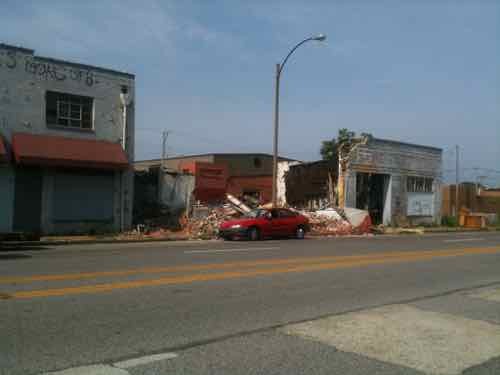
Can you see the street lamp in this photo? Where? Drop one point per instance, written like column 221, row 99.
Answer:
column 279, row 69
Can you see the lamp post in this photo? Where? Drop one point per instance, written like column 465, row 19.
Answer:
column 279, row 69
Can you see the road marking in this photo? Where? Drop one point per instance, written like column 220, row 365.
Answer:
column 216, row 266
column 144, row 360
column 464, row 240
column 230, row 250
column 347, row 262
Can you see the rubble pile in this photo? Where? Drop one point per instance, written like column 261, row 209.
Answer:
column 207, row 227
column 326, row 224
column 338, row 222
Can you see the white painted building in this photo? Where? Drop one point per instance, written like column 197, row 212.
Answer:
column 67, row 141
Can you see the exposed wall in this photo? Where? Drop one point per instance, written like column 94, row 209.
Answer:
column 399, row 160
column 24, row 81
column 237, row 186
column 246, row 164
column 307, row 184
column 177, row 191
column 283, row 168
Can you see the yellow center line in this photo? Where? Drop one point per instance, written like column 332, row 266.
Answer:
column 216, row 266
column 185, row 279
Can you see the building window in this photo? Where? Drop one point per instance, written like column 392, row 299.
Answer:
column 419, row 184
column 257, row 163
column 71, row 111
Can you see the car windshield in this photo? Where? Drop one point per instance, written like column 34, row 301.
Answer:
column 255, row 213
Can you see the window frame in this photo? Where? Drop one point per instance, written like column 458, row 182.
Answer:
column 69, row 111
column 419, row 184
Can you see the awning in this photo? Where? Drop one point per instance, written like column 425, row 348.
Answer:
column 3, row 151
column 56, row 151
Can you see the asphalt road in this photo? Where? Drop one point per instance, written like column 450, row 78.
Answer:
column 370, row 305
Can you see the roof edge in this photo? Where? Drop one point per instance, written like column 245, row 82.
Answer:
column 281, row 158
column 405, row 144
column 63, row 61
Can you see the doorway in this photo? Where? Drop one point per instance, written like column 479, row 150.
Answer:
column 28, row 200
column 371, row 194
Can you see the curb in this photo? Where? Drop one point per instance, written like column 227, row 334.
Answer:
column 147, row 240
column 443, row 230
column 92, row 242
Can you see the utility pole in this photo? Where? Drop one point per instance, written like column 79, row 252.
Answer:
column 279, row 69
column 457, row 206
column 164, row 136
column 275, row 138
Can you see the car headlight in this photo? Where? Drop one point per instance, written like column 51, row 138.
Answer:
column 236, row 226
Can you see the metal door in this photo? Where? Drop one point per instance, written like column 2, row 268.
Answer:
column 28, row 200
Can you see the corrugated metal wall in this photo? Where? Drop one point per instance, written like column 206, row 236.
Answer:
column 81, row 197
column 28, row 200
column 6, row 199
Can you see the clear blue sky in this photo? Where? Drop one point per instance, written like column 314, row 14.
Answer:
column 418, row 71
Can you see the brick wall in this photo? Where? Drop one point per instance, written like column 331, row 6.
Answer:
column 237, row 186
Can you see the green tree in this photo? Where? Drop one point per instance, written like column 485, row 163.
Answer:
column 339, row 150
column 344, row 141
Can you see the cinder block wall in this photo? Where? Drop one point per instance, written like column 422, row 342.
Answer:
column 24, row 80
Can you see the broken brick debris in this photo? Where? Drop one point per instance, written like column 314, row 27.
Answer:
column 208, row 227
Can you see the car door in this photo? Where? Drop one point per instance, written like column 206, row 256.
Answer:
column 277, row 227
column 265, row 224
column 288, row 221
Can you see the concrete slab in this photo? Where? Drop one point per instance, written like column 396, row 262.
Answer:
column 90, row 370
column 144, row 360
column 427, row 341
column 492, row 294
column 462, row 305
column 269, row 353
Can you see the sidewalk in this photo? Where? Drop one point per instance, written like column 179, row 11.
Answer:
column 180, row 236
column 441, row 229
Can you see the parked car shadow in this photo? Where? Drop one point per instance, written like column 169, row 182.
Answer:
column 12, row 246
column 14, row 256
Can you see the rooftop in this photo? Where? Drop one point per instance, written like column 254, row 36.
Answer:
column 390, row 141
column 249, row 154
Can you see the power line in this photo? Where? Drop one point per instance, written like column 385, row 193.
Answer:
column 472, row 168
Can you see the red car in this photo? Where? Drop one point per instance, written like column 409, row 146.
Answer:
column 260, row 223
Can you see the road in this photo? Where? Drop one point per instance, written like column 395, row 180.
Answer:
column 368, row 305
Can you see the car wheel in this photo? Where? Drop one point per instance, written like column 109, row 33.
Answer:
column 300, row 233
column 253, row 234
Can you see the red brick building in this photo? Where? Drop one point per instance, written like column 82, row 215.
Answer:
column 221, row 173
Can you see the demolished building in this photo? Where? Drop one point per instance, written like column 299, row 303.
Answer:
column 183, row 181
column 308, row 185
column 396, row 182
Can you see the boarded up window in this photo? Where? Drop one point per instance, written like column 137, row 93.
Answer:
column 81, row 197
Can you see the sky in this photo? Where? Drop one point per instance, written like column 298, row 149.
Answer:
column 425, row 72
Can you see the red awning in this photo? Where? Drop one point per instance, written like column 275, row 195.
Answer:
column 56, row 151
column 3, row 151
